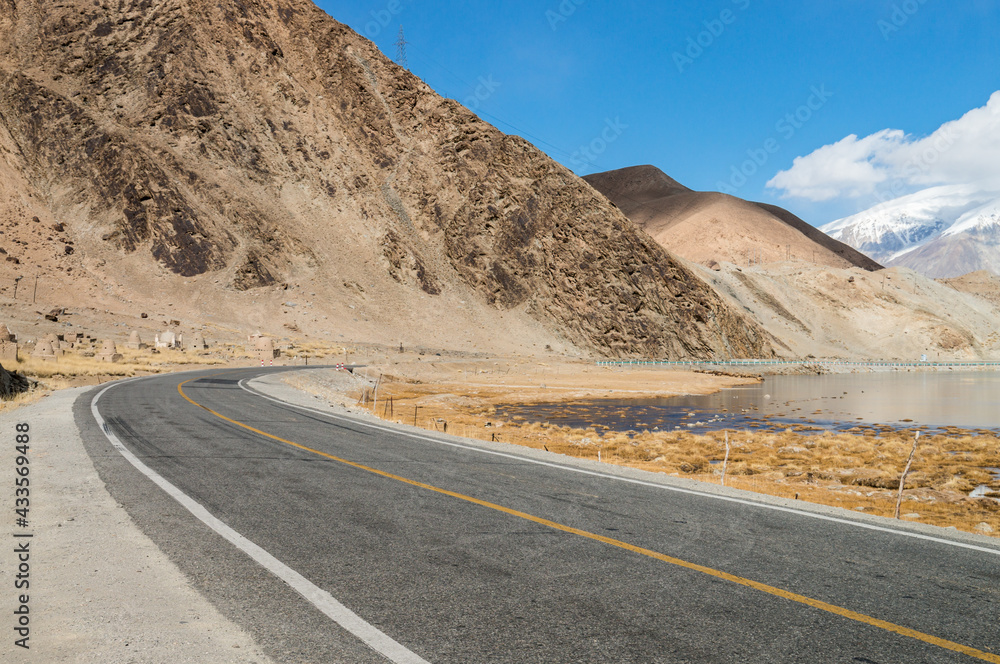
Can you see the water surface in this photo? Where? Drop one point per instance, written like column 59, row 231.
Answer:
column 902, row 400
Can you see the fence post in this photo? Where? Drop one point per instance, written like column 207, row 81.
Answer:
column 902, row 480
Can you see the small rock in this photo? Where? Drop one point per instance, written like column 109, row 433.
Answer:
column 984, row 528
column 911, row 515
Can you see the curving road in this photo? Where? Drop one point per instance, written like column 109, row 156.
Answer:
column 334, row 539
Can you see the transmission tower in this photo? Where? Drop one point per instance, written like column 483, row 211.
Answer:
column 401, row 50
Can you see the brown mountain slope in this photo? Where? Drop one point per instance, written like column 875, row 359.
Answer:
column 950, row 256
column 984, row 284
column 257, row 160
column 854, row 314
column 708, row 226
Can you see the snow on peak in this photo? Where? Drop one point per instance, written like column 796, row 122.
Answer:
column 899, row 226
column 982, row 217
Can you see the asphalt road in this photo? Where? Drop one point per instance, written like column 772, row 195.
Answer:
column 462, row 555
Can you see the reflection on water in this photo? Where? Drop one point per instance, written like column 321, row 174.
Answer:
column 839, row 401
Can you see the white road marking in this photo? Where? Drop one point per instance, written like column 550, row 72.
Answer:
column 321, row 599
column 665, row 487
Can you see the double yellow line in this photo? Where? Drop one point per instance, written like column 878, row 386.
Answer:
column 762, row 587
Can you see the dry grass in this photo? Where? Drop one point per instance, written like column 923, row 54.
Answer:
column 133, row 362
column 72, row 369
column 24, row 399
column 319, row 350
column 858, row 472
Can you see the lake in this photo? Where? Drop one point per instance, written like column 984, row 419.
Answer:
column 901, row 400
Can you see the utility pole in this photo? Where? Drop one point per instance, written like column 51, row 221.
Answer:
column 17, row 280
column 401, row 50
column 33, row 292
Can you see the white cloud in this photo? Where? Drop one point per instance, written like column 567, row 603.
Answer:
column 893, row 163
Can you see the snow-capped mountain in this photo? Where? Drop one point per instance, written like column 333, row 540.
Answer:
column 942, row 231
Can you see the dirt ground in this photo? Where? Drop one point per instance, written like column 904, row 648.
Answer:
column 854, row 471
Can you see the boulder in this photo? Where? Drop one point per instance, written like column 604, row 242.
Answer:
column 12, row 384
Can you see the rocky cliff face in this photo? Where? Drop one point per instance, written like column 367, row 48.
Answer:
column 256, row 142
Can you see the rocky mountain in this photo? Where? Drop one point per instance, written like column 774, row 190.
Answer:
column 709, row 227
column 829, row 300
column 941, row 232
column 894, row 313
column 257, row 163
column 983, row 284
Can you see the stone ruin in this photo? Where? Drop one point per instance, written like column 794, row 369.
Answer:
column 197, row 341
column 45, row 351
column 134, row 341
column 77, row 341
column 168, row 339
column 109, row 353
column 8, row 345
column 263, row 349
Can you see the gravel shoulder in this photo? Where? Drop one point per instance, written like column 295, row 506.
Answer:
column 100, row 590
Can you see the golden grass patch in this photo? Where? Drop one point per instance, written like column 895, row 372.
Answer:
column 72, row 363
column 857, row 471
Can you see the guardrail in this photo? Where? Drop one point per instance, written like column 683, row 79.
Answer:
column 800, row 363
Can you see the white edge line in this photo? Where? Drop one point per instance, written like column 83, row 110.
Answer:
column 321, row 599
column 665, row 487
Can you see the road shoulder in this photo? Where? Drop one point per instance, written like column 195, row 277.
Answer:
column 100, row 589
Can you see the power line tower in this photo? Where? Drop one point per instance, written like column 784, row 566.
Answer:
column 401, row 50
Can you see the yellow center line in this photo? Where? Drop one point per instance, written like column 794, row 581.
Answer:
column 762, row 587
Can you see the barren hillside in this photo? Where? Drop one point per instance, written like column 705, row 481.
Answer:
column 256, row 163
column 706, row 226
column 984, row 284
column 895, row 313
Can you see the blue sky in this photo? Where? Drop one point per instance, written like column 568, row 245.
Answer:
column 699, row 88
